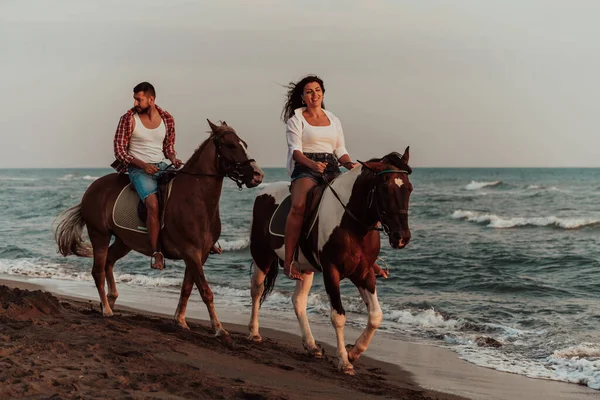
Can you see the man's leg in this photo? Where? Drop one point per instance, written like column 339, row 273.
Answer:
column 153, row 226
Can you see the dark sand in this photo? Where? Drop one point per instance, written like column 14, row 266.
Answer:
column 62, row 348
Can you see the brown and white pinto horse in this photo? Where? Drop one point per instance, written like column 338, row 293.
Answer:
column 192, row 222
column 342, row 244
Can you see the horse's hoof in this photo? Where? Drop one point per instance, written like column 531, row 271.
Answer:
column 315, row 352
column 182, row 323
column 318, row 354
column 255, row 338
column 112, row 302
column 348, row 370
column 223, row 335
column 353, row 354
column 106, row 312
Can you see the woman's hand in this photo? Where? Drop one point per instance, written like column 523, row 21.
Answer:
column 318, row 166
column 350, row 165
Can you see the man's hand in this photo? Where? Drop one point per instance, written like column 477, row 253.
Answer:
column 150, row 169
column 351, row 165
column 176, row 162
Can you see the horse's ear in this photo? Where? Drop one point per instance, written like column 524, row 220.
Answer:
column 213, row 127
column 224, row 123
column 406, row 155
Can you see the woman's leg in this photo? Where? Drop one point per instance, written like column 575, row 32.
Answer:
column 300, row 188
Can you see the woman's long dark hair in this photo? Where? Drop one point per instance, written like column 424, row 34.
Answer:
column 294, row 95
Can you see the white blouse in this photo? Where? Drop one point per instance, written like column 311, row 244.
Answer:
column 313, row 139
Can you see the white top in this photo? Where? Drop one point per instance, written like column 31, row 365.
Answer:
column 147, row 144
column 313, row 139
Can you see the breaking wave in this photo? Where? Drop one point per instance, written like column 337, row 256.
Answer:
column 474, row 185
column 499, row 222
column 234, row 245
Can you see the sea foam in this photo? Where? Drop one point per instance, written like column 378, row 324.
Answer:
column 495, row 221
column 474, row 185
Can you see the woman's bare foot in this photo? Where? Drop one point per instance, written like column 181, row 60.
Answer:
column 216, row 249
column 292, row 272
column 379, row 272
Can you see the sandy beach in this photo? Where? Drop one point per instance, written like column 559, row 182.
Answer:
column 58, row 346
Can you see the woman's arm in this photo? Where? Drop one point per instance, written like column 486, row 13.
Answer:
column 340, row 151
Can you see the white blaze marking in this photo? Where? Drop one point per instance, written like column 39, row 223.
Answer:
column 399, row 182
column 253, row 164
column 245, row 149
column 331, row 211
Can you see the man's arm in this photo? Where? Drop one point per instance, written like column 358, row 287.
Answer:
column 121, row 142
column 169, row 142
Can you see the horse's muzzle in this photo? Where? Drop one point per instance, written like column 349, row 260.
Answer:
column 399, row 240
column 257, row 176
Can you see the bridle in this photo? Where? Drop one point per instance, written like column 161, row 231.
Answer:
column 232, row 169
column 372, row 198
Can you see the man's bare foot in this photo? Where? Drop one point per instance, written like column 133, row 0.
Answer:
column 157, row 261
column 292, row 272
column 379, row 272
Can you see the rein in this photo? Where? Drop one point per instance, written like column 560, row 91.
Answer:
column 232, row 172
column 370, row 196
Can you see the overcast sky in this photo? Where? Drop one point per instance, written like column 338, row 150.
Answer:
column 467, row 83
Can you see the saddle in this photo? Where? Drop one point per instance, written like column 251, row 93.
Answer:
column 129, row 212
column 279, row 218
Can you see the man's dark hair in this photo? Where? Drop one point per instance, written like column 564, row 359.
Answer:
column 145, row 87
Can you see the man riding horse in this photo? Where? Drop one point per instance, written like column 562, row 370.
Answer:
column 145, row 137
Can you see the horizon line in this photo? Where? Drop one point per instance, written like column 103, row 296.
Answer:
column 284, row 167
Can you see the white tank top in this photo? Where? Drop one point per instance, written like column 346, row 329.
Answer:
column 319, row 139
column 147, row 144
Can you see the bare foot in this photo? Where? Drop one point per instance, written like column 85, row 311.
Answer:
column 379, row 272
column 292, row 272
column 157, row 261
column 216, row 249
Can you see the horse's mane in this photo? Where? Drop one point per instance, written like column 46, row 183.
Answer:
column 394, row 159
column 212, row 135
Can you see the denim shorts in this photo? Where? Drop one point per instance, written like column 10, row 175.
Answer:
column 145, row 184
column 331, row 172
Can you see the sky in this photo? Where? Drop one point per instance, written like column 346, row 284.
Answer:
column 465, row 83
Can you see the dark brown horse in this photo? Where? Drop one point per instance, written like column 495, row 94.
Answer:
column 343, row 243
column 192, row 222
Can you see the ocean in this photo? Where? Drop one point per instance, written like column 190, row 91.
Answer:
column 498, row 257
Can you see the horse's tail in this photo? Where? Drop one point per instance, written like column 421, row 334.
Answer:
column 68, row 229
column 270, row 279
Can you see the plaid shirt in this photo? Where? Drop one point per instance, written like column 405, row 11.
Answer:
column 123, row 136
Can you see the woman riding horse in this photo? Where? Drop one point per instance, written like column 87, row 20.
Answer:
column 315, row 147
